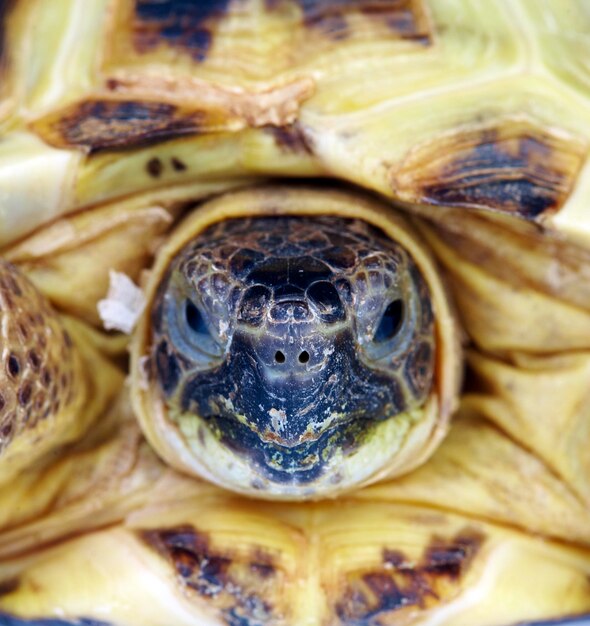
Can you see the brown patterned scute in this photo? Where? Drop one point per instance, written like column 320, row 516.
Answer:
column 514, row 167
column 180, row 24
column 96, row 125
column 405, row 19
column 240, row 586
column 373, row 598
column 36, row 358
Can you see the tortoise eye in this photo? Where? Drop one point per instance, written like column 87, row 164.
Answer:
column 391, row 322
column 196, row 334
column 194, row 319
column 187, row 328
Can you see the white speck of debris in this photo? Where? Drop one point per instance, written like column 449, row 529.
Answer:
column 123, row 305
column 277, row 420
column 223, row 328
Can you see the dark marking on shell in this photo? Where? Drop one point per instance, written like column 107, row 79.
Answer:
column 517, row 170
column 100, row 124
column 404, row 19
column 399, row 583
column 9, row 586
column 154, row 167
column 262, row 565
column 5, row 8
column 184, row 25
column 394, row 558
column 235, row 586
column 451, row 559
column 290, row 138
column 177, row 164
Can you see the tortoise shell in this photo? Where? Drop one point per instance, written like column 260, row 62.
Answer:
column 460, row 131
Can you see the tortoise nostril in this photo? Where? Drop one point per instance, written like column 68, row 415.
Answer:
column 304, row 357
column 279, row 357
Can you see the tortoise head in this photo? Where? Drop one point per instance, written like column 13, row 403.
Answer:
column 294, row 356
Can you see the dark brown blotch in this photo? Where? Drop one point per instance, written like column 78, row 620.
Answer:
column 393, row 558
column 404, row 19
column 444, row 558
column 98, row 125
column 178, row 165
column 181, row 25
column 262, row 564
column 154, row 167
column 399, row 583
column 290, row 138
column 215, row 575
column 517, row 170
column 9, row 586
column 409, row 22
column 5, row 7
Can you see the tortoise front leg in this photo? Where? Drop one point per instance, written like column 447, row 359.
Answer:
column 51, row 389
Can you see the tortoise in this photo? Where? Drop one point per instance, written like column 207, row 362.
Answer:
column 346, row 246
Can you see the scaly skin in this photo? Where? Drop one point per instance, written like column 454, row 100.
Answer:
column 47, row 397
column 291, row 341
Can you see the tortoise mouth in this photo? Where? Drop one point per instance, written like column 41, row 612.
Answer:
column 282, row 461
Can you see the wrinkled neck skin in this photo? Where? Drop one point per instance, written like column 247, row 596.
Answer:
column 294, row 355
